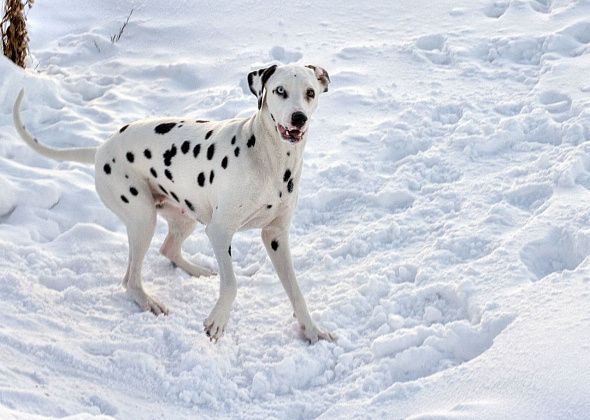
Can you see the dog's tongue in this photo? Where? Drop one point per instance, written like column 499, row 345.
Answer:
column 295, row 134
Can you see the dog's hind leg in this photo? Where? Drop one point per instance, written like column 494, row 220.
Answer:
column 140, row 231
column 130, row 198
column 180, row 226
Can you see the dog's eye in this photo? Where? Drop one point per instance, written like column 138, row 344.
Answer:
column 310, row 93
column 279, row 90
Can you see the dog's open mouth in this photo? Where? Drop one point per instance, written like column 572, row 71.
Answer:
column 293, row 136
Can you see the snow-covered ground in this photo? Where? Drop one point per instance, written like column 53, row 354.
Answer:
column 442, row 232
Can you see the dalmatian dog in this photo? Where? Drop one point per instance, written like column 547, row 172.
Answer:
column 230, row 175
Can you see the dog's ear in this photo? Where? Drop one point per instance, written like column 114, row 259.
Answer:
column 257, row 79
column 321, row 75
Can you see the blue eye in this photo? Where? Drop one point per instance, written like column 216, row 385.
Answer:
column 279, row 90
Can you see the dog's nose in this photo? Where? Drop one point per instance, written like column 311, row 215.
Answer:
column 298, row 119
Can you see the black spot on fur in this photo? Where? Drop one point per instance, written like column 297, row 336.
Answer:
column 208, row 134
column 287, row 175
column 147, row 153
column 114, row 161
column 123, row 128
column 133, row 191
column 288, row 153
column 269, row 206
column 169, row 154
column 130, row 157
column 211, row 176
column 153, row 172
column 168, row 175
column 229, row 250
column 107, row 168
column 201, row 179
column 185, row 147
column 164, row 128
column 189, row 205
column 237, row 151
column 224, row 162
column 273, row 118
column 251, row 81
column 163, row 189
column 280, row 194
column 35, row 140
column 201, row 121
column 196, row 150
column 252, row 141
column 211, row 151
column 233, row 140
column 174, row 196
column 274, row 244
column 124, row 199
column 267, row 73
column 290, row 186
column 179, row 125
column 126, row 176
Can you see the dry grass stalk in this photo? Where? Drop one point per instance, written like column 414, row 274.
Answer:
column 116, row 37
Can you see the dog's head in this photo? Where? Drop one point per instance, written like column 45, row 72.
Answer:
column 288, row 95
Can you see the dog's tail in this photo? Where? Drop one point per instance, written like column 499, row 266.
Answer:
column 77, row 154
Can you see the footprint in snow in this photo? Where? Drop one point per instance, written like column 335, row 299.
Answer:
column 558, row 250
column 541, row 6
column 434, row 49
column 556, row 103
column 447, row 114
column 580, row 31
column 433, row 328
column 529, row 197
column 496, row 9
column 465, row 248
column 284, row 56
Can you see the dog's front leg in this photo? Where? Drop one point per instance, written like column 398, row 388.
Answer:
column 220, row 237
column 276, row 241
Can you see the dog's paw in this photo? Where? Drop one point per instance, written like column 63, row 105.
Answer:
column 312, row 333
column 193, row 269
column 216, row 322
column 201, row 271
column 155, row 307
column 146, row 302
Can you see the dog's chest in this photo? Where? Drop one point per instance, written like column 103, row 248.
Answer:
column 274, row 197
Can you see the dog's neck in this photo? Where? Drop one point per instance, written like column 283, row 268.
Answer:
column 277, row 154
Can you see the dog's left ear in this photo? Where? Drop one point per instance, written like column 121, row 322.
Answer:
column 321, row 75
column 257, row 79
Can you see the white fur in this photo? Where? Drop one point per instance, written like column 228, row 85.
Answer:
column 251, row 192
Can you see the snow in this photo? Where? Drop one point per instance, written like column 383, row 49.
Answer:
column 441, row 232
